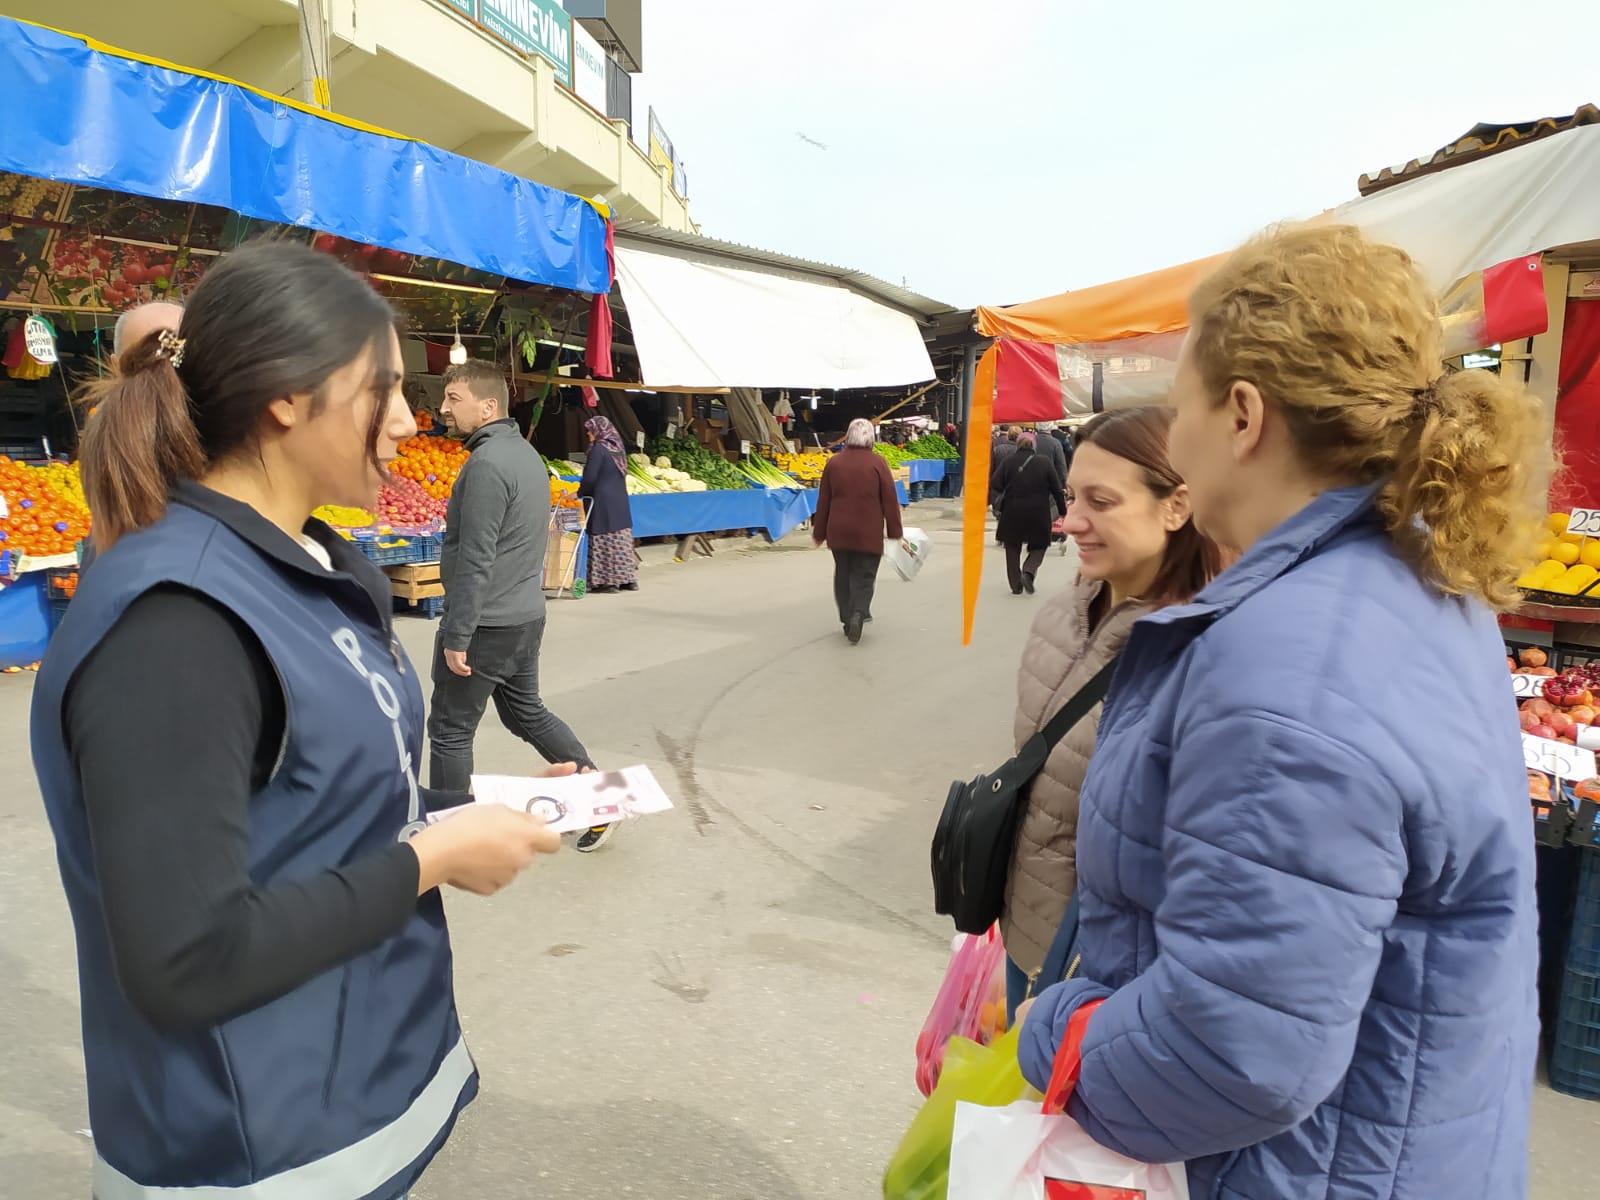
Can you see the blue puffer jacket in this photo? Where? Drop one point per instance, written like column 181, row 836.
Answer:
column 1307, row 886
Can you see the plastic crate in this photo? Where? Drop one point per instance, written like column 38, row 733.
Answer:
column 58, row 611
column 61, row 583
column 430, row 607
column 1583, row 942
column 950, row 485
column 1575, row 1048
column 389, row 556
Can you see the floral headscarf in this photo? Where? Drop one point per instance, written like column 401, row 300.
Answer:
column 607, row 438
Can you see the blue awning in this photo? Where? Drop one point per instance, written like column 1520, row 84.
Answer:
column 96, row 118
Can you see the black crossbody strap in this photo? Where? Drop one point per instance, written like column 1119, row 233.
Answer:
column 1078, row 707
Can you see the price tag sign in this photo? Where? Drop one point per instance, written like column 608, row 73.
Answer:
column 672, row 432
column 640, row 439
column 41, row 342
column 744, row 449
column 1585, row 522
column 1557, row 758
column 1527, row 687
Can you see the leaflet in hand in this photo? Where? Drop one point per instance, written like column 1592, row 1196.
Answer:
column 576, row 801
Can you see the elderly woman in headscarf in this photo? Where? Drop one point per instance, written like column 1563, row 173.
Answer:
column 857, row 508
column 612, row 564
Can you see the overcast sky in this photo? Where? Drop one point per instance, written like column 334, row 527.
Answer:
column 993, row 151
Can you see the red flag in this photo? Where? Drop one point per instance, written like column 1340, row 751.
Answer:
column 597, row 352
column 1513, row 301
column 1028, row 384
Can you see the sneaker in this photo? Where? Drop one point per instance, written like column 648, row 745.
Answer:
column 1027, row 583
column 593, row 839
column 852, row 631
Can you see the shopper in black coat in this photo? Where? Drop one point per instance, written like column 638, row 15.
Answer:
column 1028, row 493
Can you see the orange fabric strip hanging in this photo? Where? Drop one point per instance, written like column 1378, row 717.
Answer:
column 975, row 487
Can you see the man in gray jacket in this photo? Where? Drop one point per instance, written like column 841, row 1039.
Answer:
column 493, row 573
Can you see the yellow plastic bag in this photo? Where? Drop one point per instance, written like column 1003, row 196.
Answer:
column 975, row 1074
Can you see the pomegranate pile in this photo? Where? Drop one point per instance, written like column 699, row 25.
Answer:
column 1568, row 703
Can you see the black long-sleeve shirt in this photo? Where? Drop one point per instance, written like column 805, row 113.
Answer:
column 173, row 722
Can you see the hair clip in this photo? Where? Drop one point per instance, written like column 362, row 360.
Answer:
column 171, row 346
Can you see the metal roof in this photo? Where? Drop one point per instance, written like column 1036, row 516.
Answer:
column 1479, row 142
column 923, row 308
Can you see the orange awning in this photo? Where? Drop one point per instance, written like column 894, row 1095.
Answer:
column 1157, row 302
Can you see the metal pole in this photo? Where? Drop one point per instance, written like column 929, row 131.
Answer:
column 314, row 54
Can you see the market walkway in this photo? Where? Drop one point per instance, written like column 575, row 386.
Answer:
column 723, row 1003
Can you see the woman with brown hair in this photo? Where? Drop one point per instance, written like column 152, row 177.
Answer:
column 226, row 734
column 1308, row 947
column 1128, row 512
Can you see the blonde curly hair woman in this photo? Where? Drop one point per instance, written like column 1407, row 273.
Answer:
column 1304, row 863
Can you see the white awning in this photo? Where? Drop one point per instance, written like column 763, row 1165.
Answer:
column 1522, row 201
column 699, row 322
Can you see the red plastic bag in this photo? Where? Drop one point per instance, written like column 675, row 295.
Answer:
column 971, row 1004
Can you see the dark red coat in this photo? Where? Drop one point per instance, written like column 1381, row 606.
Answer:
column 857, row 507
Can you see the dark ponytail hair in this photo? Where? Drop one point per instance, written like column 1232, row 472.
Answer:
column 268, row 321
column 1139, row 435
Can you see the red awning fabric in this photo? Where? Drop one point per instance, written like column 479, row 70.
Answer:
column 1578, row 409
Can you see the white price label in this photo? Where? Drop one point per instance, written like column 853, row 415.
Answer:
column 41, row 344
column 1557, row 758
column 1584, row 521
column 1527, row 687
column 640, row 439
column 672, row 432
column 744, row 449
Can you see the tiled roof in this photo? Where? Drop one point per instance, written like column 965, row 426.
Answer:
column 1477, row 142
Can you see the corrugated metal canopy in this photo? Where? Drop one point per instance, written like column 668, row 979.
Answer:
column 1481, row 140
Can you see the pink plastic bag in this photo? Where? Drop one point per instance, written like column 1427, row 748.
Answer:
column 971, row 1004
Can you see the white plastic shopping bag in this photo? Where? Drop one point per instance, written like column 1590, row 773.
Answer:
column 909, row 553
column 1029, row 1151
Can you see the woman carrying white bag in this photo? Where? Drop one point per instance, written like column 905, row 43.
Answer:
column 1308, row 917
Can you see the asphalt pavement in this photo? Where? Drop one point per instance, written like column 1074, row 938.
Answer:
column 723, row 1002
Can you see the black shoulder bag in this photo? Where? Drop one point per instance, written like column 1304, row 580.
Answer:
column 977, row 831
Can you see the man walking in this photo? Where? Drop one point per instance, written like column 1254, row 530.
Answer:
column 1050, row 447
column 493, row 573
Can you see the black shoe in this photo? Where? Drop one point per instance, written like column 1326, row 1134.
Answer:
column 593, row 839
column 1027, row 582
column 852, row 629
column 630, row 587
column 605, row 589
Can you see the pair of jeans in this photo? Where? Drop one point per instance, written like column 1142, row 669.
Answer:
column 855, row 578
column 1016, row 990
column 1016, row 568
column 505, row 669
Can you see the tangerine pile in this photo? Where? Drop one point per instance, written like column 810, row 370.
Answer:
column 431, row 462
column 45, row 513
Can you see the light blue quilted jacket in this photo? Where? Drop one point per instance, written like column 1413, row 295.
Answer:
column 1306, row 872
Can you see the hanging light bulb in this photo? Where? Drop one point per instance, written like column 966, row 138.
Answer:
column 458, row 351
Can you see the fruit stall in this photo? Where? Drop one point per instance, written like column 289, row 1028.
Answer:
column 1553, row 655
column 185, row 168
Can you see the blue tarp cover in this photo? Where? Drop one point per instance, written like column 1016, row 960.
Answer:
column 926, row 470
column 776, row 511
column 84, row 116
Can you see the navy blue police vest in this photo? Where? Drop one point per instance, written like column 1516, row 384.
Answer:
column 346, row 1087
